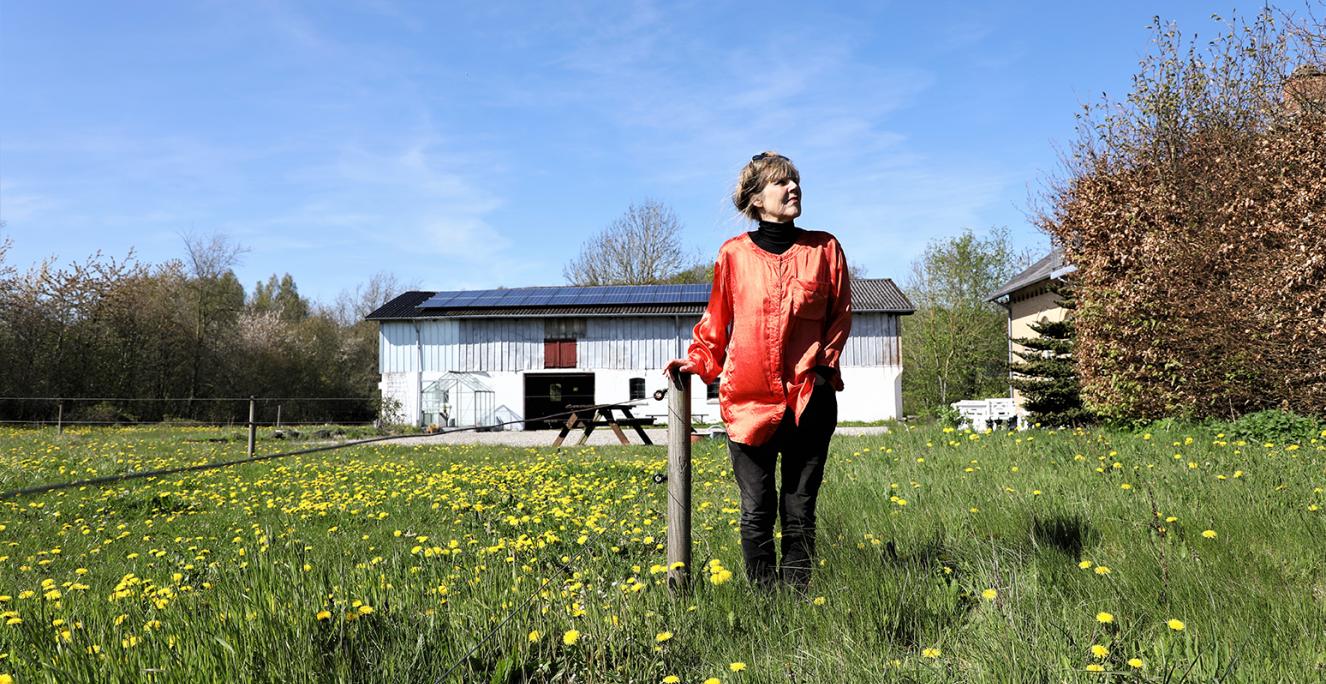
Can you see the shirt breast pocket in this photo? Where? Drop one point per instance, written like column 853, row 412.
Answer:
column 810, row 299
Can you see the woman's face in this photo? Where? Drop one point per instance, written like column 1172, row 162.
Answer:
column 779, row 202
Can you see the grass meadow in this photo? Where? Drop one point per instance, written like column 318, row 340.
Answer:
column 1057, row 556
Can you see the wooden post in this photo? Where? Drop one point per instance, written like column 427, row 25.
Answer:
column 679, row 482
column 253, row 426
column 278, row 416
column 59, row 417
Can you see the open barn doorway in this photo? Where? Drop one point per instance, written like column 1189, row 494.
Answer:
column 547, row 393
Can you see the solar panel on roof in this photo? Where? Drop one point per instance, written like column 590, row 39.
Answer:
column 605, row 295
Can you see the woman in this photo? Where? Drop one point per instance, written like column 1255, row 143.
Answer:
column 778, row 317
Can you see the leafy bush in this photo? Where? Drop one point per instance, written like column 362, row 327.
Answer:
column 1195, row 214
column 948, row 416
column 103, row 412
column 1275, row 426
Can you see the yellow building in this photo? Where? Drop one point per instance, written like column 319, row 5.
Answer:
column 1028, row 299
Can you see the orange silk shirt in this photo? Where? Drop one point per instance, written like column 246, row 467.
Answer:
column 771, row 319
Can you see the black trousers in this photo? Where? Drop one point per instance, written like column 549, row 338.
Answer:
column 805, row 448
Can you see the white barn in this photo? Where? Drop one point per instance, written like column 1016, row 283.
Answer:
column 486, row 356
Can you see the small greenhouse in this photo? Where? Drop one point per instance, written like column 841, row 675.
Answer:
column 459, row 400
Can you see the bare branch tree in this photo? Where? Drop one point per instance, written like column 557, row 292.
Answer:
column 641, row 247
column 211, row 256
column 351, row 306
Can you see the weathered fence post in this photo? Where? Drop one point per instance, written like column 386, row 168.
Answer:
column 59, row 417
column 679, row 482
column 278, row 416
column 253, row 426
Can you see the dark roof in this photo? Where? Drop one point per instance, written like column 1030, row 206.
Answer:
column 1043, row 269
column 878, row 295
column 569, row 296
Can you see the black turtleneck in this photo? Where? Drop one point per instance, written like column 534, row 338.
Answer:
column 778, row 238
column 775, row 237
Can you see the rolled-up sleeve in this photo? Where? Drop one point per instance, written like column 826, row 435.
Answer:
column 839, row 324
column 708, row 349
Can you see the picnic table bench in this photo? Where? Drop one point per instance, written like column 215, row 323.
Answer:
column 583, row 416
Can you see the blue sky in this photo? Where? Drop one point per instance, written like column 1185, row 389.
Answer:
column 476, row 144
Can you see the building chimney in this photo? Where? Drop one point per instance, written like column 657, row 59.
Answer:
column 1305, row 90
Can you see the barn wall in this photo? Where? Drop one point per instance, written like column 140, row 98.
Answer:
column 499, row 344
column 615, row 349
column 631, row 342
column 516, row 344
column 397, row 352
column 873, row 342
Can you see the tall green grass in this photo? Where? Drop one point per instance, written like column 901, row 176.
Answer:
column 944, row 556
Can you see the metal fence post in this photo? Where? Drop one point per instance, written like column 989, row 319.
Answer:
column 253, row 426
column 59, row 417
column 679, row 482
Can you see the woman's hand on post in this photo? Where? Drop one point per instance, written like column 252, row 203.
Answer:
column 681, row 366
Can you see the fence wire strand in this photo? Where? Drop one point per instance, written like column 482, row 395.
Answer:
column 674, row 419
column 138, row 475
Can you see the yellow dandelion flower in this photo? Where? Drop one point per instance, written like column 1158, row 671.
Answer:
column 820, row 600
column 365, row 610
column 1099, row 651
column 931, row 652
column 713, row 680
column 1136, row 663
column 1102, row 570
column 6, row 679
column 534, row 636
column 1176, row 625
column 1104, row 618
column 672, row 679
column 323, row 615
column 571, row 637
column 1209, row 534
column 1084, row 564
column 662, row 636
column 737, row 666
column 1095, row 668
column 989, row 594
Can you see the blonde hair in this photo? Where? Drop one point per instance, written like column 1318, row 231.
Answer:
column 765, row 168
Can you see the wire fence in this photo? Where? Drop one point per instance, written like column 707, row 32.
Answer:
column 524, row 605
column 269, row 412
column 204, row 411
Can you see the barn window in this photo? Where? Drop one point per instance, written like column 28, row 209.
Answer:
column 559, row 341
column 559, row 353
column 711, row 390
column 637, row 388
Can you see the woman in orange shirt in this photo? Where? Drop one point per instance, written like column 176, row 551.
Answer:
column 777, row 319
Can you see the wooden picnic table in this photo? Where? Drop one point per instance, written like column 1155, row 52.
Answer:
column 583, row 416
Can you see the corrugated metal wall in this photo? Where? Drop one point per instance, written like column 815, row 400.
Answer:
column 643, row 342
column 873, row 342
column 629, row 343
column 500, row 344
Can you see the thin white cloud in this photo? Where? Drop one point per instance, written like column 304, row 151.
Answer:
column 18, row 206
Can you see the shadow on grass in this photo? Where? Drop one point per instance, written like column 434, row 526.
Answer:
column 1069, row 533
column 917, row 590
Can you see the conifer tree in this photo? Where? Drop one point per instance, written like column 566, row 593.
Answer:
column 1046, row 375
